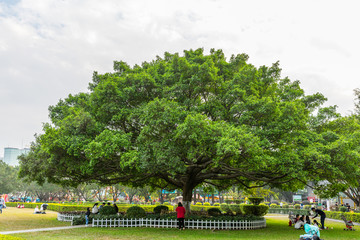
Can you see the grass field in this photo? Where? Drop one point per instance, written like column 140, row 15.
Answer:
column 23, row 218
column 277, row 229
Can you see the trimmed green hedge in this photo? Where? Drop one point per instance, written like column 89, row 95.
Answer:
column 52, row 206
column 355, row 217
column 135, row 212
column 160, row 208
column 201, row 207
column 224, row 207
column 256, row 210
column 58, row 207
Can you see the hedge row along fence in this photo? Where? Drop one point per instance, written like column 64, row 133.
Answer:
column 123, row 207
column 71, row 208
column 355, row 217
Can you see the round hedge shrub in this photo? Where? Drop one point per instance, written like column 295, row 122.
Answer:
column 238, row 201
column 166, row 203
column 297, row 206
column 135, row 212
column 343, row 209
column 160, row 208
column 256, row 200
column 107, row 210
column 224, row 207
column 207, row 204
column 235, row 208
column 307, row 206
column 285, row 205
column 198, row 203
column 256, row 210
column 216, row 204
column 214, row 212
column 273, row 205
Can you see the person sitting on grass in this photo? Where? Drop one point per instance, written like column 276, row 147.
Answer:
column 300, row 223
column 36, row 210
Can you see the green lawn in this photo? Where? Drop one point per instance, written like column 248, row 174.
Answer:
column 23, row 218
column 277, row 229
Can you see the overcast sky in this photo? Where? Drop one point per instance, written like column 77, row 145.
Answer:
column 50, row 48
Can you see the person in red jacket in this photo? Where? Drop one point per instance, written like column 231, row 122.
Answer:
column 181, row 216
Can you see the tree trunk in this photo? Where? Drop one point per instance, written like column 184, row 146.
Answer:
column 213, row 198
column 195, row 195
column 187, row 197
column 161, row 197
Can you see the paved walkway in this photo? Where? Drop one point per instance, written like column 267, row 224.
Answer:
column 327, row 219
column 41, row 229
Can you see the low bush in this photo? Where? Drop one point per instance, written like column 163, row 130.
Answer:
column 256, row 200
column 135, row 212
column 297, row 206
column 307, row 206
column 235, row 208
column 107, row 210
column 256, row 210
column 238, row 201
column 160, row 208
column 214, row 212
column 207, row 204
column 216, row 204
column 343, row 209
column 198, row 203
column 274, row 205
column 224, row 207
column 285, row 205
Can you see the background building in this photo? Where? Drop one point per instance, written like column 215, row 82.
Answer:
column 11, row 155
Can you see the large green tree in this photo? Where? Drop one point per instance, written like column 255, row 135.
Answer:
column 8, row 178
column 341, row 138
column 178, row 122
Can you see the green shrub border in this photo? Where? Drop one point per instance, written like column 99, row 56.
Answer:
column 350, row 216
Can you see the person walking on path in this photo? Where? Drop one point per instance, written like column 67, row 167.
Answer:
column 181, row 216
column 87, row 215
column 322, row 216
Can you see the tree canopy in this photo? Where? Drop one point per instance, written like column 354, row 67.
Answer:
column 181, row 121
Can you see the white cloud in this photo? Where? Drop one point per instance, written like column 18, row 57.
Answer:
column 49, row 49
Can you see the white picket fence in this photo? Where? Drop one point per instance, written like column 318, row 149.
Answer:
column 172, row 223
column 66, row 217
